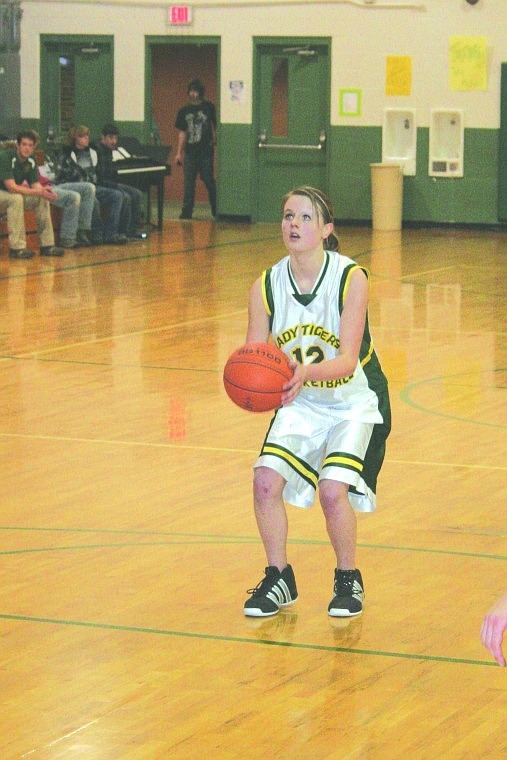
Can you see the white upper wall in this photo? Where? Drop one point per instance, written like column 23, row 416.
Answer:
column 362, row 36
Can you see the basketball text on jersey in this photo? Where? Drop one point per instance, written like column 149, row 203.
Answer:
column 317, row 331
column 328, row 383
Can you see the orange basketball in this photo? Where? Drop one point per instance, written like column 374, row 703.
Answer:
column 255, row 375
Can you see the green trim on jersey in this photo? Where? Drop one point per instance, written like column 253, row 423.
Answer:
column 305, row 298
column 345, row 282
column 267, row 295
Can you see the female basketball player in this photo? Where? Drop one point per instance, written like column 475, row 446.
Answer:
column 330, row 432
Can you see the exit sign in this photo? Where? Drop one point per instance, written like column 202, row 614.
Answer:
column 179, row 15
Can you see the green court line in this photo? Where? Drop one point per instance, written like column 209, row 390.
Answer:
column 405, row 395
column 215, row 538
column 244, row 640
column 80, row 362
column 123, row 545
column 139, row 257
column 206, row 247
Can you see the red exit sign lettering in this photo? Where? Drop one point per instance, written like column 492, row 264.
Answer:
column 179, row 15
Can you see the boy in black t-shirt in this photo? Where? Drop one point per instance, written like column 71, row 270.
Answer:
column 196, row 123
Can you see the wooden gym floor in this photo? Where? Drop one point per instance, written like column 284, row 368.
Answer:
column 127, row 533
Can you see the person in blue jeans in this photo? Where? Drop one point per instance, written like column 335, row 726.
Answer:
column 131, row 216
column 76, row 224
column 78, row 162
column 76, row 199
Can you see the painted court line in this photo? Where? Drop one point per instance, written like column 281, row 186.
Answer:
column 227, row 450
column 426, row 272
column 225, row 541
column 244, row 640
column 122, row 336
column 184, row 538
column 61, row 738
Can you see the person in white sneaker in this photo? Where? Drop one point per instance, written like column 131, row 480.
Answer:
column 331, row 430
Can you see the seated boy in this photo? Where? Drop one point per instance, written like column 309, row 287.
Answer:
column 21, row 189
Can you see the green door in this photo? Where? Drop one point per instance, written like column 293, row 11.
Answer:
column 78, row 82
column 291, row 121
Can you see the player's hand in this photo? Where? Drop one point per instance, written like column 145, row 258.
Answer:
column 48, row 194
column 493, row 627
column 294, row 385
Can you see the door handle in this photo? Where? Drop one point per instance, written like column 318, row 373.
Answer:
column 263, row 143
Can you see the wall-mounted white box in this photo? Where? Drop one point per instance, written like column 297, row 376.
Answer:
column 399, row 138
column 447, row 142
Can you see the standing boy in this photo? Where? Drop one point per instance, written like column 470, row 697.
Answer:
column 197, row 124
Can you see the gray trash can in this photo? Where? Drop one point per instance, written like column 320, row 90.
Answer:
column 386, row 196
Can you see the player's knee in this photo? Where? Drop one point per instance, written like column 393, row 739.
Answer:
column 333, row 495
column 267, row 485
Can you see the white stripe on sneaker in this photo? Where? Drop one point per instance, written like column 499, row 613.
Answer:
column 279, row 594
column 357, row 591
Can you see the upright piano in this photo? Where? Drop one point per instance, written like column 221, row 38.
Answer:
column 144, row 167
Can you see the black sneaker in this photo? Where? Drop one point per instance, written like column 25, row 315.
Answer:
column 68, row 243
column 119, row 239
column 20, row 253
column 83, row 238
column 277, row 589
column 51, row 250
column 348, row 594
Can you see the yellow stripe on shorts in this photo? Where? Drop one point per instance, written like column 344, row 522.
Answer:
column 343, row 461
column 309, row 475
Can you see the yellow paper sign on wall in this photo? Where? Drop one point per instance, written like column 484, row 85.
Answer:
column 398, row 75
column 468, row 63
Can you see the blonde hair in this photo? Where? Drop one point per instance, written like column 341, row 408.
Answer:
column 322, row 206
column 76, row 132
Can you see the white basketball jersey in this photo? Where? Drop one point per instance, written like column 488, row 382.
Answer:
column 307, row 328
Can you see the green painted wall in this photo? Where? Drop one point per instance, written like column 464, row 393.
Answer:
column 467, row 200
column 30, row 124
column 351, row 151
column 502, row 149
column 234, row 170
column 134, row 129
column 471, row 199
